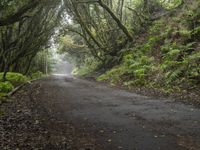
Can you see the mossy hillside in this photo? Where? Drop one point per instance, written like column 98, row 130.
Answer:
column 168, row 58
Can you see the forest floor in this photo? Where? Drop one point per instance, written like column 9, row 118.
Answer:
column 59, row 113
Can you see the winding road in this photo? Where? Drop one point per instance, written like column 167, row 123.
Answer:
column 119, row 119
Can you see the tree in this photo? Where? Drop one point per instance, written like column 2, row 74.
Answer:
column 21, row 41
column 19, row 15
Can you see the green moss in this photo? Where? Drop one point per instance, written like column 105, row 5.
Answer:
column 196, row 30
column 171, row 4
column 5, row 87
column 167, row 60
column 114, row 75
column 185, row 33
column 133, row 71
column 37, row 75
column 15, row 78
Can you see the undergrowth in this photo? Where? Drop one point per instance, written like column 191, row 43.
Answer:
column 168, row 58
column 15, row 78
column 89, row 67
column 12, row 80
column 36, row 75
column 6, row 87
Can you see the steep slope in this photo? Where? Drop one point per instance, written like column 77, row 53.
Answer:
column 166, row 57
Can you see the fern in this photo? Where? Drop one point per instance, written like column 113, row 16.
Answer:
column 173, row 76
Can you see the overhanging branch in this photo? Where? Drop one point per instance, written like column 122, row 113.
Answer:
column 19, row 14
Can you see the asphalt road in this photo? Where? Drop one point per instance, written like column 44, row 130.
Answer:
column 119, row 119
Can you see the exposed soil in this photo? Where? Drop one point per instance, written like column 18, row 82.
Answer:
column 62, row 112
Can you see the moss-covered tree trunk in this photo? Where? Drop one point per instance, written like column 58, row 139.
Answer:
column 116, row 19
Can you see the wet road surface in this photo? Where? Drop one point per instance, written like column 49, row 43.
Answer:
column 119, row 119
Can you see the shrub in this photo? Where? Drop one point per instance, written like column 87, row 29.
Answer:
column 15, row 78
column 36, row 75
column 89, row 67
column 6, row 87
column 133, row 71
column 114, row 75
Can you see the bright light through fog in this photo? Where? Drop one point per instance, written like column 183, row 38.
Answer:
column 61, row 66
column 61, row 75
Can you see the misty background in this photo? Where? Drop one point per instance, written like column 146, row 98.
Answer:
column 61, row 65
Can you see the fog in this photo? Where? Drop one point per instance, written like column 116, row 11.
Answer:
column 62, row 66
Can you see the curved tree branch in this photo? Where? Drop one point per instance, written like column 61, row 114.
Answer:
column 18, row 15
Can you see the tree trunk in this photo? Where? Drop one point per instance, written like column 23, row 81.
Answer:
column 29, row 65
column 6, row 69
column 15, row 67
column 85, row 27
column 1, row 64
column 119, row 23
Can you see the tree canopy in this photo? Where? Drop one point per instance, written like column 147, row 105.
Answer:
column 100, row 35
